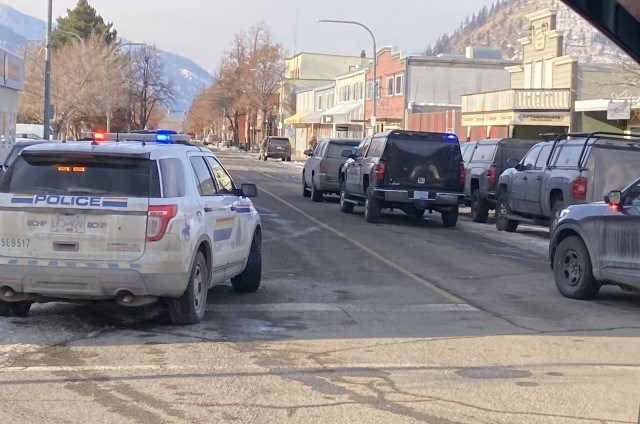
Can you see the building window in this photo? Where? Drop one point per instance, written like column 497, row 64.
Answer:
column 369, row 90
column 390, row 83
column 377, row 88
column 320, row 102
column 548, row 74
column 527, row 75
column 399, row 84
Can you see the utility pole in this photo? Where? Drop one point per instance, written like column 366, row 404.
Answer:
column 47, row 76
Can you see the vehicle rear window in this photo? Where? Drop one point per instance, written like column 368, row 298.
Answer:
column 279, row 141
column 172, row 177
column 467, row 151
column 335, row 150
column 484, row 153
column 82, row 175
column 567, row 156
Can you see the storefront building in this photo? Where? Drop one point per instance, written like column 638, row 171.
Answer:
column 541, row 95
column 346, row 117
column 11, row 82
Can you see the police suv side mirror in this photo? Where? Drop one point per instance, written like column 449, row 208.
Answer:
column 249, row 190
column 308, row 152
column 614, row 198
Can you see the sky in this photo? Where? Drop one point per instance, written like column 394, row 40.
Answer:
column 202, row 30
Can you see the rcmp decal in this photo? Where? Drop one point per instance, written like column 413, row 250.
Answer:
column 81, row 201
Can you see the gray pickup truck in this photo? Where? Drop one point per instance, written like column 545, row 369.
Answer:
column 572, row 169
column 488, row 159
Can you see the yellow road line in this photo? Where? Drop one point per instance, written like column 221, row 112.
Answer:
column 453, row 298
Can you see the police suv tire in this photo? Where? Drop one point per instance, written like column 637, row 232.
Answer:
column 502, row 209
column 558, row 206
column 14, row 309
column 450, row 218
column 371, row 207
column 572, row 270
column 316, row 195
column 249, row 279
column 479, row 208
column 305, row 188
column 345, row 207
column 190, row 307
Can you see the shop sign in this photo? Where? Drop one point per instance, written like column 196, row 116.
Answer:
column 618, row 110
column 553, row 119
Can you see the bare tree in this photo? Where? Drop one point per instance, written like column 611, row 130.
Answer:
column 83, row 74
column 148, row 89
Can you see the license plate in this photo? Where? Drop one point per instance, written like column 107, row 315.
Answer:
column 67, row 224
column 279, row 147
column 421, row 195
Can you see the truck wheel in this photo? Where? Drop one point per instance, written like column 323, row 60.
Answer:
column 558, row 206
column 264, row 158
column 289, row 159
column 502, row 210
column 371, row 207
column 14, row 309
column 249, row 279
column 284, row 159
column 345, row 206
column 190, row 307
column 316, row 195
column 572, row 270
column 305, row 188
column 479, row 208
column 450, row 219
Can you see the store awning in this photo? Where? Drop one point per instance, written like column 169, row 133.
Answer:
column 295, row 119
column 342, row 113
column 312, row 118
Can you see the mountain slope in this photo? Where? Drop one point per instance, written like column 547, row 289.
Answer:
column 17, row 28
column 504, row 22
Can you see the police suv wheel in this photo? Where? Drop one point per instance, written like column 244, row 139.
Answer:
column 190, row 307
column 249, row 279
column 572, row 270
column 14, row 309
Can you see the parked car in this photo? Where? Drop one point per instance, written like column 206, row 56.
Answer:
column 211, row 139
column 129, row 222
column 598, row 243
column 16, row 149
column 276, row 148
column 408, row 170
column 573, row 169
column 487, row 160
column 321, row 172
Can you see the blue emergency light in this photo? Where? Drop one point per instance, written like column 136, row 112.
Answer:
column 163, row 138
column 451, row 137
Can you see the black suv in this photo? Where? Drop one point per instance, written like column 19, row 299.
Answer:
column 408, row 170
column 598, row 243
column 487, row 161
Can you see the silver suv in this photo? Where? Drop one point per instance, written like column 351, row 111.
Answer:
column 131, row 221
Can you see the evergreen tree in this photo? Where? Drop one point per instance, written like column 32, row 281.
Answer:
column 81, row 21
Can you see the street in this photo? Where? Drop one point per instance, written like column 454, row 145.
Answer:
column 399, row 322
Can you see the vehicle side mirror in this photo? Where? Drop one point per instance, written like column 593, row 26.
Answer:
column 614, row 198
column 346, row 153
column 249, row 190
column 512, row 163
column 308, row 152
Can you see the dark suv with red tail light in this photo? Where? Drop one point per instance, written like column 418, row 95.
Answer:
column 487, row 159
column 573, row 169
column 408, row 170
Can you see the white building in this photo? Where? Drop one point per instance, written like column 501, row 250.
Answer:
column 11, row 82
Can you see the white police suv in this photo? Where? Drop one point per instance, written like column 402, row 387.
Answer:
column 145, row 218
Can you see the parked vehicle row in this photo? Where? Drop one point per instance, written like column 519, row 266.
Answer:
column 553, row 183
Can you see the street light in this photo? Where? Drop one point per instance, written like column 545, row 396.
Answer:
column 375, row 60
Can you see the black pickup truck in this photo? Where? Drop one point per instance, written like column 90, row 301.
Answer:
column 408, row 170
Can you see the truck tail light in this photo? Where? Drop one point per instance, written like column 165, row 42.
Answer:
column 158, row 218
column 378, row 170
column 580, row 188
column 491, row 176
column 462, row 175
column 323, row 166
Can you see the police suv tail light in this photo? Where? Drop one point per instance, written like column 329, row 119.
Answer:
column 580, row 188
column 158, row 218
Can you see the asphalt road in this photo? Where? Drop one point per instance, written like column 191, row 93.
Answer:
column 402, row 321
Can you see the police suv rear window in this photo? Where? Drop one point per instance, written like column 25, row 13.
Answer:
column 82, row 175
